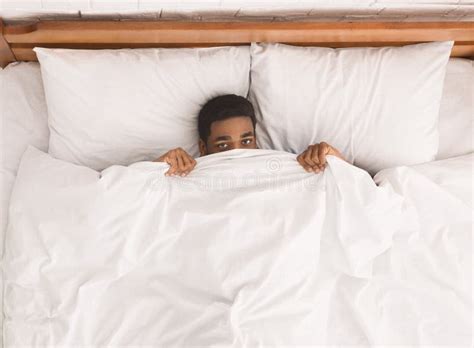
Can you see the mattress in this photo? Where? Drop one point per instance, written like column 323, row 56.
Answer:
column 427, row 259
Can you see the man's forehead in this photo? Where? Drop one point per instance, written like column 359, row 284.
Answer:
column 233, row 120
column 229, row 136
column 232, row 126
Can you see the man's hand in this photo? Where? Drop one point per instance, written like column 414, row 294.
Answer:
column 181, row 163
column 313, row 159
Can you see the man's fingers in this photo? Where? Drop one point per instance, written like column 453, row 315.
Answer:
column 189, row 164
column 171, row 160
column 303, row 163
column 181, row 166
column 192, row 163
column 309, row 157
column 179, row 161
column 324, row 150
column 315, row 159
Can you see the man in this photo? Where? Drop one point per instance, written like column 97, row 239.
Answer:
column 227, row 122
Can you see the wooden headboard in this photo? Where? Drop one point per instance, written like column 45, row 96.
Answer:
column 18, row 40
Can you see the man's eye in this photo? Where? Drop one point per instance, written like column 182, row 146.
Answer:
column 247, row 141
column 222, row 146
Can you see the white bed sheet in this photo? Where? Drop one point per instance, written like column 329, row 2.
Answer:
column 23, row 122
column 247, row 250
column 456, row 114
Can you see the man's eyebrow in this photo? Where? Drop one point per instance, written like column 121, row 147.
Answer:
column 223, row 137
column 246, row 134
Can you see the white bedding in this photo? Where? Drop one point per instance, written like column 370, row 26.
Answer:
column 456, row 114
column 248, row 250
column 23, row 122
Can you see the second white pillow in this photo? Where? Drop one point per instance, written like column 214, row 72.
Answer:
column 378, row 106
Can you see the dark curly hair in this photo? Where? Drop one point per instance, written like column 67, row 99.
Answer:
column 221, row 108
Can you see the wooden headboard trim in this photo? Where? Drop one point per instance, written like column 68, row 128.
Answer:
column 18, row 40
column 6, row 54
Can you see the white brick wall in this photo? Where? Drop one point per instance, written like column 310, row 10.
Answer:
column 214, row 10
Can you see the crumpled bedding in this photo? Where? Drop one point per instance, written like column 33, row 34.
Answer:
column 248, row 250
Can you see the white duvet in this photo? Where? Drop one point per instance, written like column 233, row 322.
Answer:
column 248, row 250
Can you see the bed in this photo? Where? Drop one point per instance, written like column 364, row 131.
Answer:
column 101, row 249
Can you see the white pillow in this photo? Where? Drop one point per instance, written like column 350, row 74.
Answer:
column 378, row 106
column 121, row 106
column 456, row 115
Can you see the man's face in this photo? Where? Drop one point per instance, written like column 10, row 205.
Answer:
column 233, row 133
